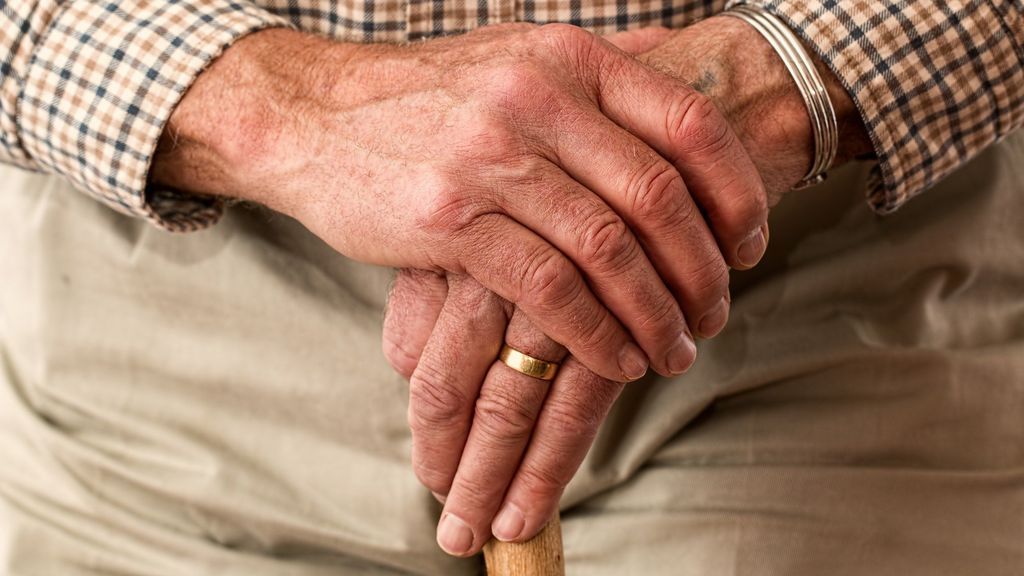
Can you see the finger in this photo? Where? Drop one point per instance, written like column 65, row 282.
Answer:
column 414, row 303
column 687, row 129
column 525, row 269
column 592, row 235
column 649, row 193
column 640, row 40
column 443, row 389
column 503, row 419
column 576, row 405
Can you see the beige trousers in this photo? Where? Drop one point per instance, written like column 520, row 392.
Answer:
column 217, row 403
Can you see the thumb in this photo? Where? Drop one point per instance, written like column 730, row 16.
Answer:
column 639, row 41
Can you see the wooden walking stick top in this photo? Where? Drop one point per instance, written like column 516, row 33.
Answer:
column 541, row 556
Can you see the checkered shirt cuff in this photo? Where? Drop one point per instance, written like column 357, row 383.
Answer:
column 935, row 82
column 101, row 82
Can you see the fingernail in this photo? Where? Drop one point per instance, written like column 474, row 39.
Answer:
column 682, row 354
column 752, row 249
column 713, row 322
column 440, row 497
column 454, row 536
column 508, row 524
column 632, row 362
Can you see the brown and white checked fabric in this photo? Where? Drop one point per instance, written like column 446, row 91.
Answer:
column 87, row 85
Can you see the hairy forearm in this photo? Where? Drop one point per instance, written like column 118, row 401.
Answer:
column 226, row 135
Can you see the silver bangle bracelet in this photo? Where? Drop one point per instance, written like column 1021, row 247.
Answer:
column 812, row 89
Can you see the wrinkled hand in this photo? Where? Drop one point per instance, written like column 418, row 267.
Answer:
column 550, row 166
column 498, row 447
column 503, row 451
column 486, row 437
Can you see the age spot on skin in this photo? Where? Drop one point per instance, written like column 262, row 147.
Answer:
column 706, row 82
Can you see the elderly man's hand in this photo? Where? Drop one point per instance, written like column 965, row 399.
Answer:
column 543, row 162
column 484, row 435
column 500, row 446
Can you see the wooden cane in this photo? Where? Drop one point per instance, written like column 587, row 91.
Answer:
column 541, row 556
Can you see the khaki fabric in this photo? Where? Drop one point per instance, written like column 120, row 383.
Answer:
column 217, row 402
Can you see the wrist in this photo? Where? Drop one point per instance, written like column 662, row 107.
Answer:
column 738, row 69
column 235, row 132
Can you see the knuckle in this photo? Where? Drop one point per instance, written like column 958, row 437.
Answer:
column 504, row 417
column 661, row 316
column 573, row 423
column 560, row 35
column 607, row 243
column 495, row 138
column 450, row 206
column 543, row 482
column 579, row 47
column 518, row 91
column 684, row 215
column 655, row 190
column 433, row 403
column 476, row 304
column 552, row 287
column 513, row 82
column 596, row 336
column 413, row 283
column 429, row 475
column 695, row 124
column 477, row 492
column 549, row 281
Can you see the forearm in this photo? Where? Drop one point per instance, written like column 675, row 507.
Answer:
column 227, row 135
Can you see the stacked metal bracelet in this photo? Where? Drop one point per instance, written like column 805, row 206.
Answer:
column 808, row 81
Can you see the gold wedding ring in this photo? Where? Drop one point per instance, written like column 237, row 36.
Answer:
column 526, row 364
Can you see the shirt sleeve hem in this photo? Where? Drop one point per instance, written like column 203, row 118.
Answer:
column 102, row 83
column 935, row 83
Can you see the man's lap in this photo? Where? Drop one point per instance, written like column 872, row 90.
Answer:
column 190, row 404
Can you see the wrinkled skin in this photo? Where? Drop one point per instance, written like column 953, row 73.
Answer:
column 499, row 447
column 541, row 161
column 539, row 186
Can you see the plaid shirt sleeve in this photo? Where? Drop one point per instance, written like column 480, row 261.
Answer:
column 936, row 81
column 86, row 87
